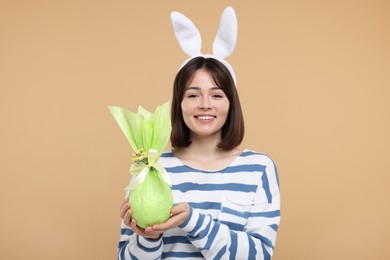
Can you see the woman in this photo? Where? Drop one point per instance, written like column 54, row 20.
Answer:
column 227, row 203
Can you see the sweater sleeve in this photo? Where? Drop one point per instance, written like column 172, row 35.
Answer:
column 257, row 240
column 133, row 246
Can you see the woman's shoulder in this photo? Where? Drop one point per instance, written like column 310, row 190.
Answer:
column 168, row 157
column 257, row 156
column 167, row 154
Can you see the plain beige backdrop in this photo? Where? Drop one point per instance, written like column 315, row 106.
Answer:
column 313, row 77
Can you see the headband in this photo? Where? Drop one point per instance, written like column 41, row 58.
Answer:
column 190, row 40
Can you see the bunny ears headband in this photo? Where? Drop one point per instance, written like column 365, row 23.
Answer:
column 190, row 40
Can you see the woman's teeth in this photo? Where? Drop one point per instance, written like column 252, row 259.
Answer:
column 205, row 117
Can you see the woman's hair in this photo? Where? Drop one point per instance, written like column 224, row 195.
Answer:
column 233, row 129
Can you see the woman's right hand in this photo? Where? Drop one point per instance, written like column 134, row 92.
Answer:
column 125, row 214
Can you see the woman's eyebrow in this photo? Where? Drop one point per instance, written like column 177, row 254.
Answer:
column 194, row 88
column 198, row 88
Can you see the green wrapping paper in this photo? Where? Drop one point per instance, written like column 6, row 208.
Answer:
column 150, row 186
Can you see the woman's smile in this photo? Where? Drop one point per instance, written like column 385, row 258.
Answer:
column 205, row 118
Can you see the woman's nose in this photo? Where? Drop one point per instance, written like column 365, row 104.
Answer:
column 205, row 103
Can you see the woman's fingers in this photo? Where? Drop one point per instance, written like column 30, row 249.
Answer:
column 127, row 218
column 124, row 208
column 179, row 208
column 170, row 223
column 142, row 232
column 180, row 213
column 125, row 212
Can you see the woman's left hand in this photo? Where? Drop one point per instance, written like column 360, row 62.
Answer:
column 180, row 213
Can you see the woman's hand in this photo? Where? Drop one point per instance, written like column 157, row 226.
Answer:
column 125, row 214
column 179, row 214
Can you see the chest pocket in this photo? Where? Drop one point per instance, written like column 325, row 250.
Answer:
column 234, row 214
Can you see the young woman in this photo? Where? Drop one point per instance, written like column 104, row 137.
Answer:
column 227, row 203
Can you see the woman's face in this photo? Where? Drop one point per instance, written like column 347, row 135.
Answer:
column 205, row 106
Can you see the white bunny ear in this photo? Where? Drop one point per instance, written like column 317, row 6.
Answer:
column 226, row 37
column 187, row 34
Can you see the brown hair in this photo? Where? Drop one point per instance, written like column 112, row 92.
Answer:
column 233, row 130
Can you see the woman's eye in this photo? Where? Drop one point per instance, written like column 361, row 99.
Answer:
column 192, row 95
column 217, row 96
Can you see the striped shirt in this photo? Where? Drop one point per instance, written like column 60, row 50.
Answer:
column 235, row 213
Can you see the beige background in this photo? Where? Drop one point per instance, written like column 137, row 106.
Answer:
column 313, row 77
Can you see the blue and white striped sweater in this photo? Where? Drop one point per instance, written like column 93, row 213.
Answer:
column 235, row 213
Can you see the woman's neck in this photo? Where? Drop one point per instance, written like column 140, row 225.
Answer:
column 207, row 158
column 203, row 153
column 204, row 148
